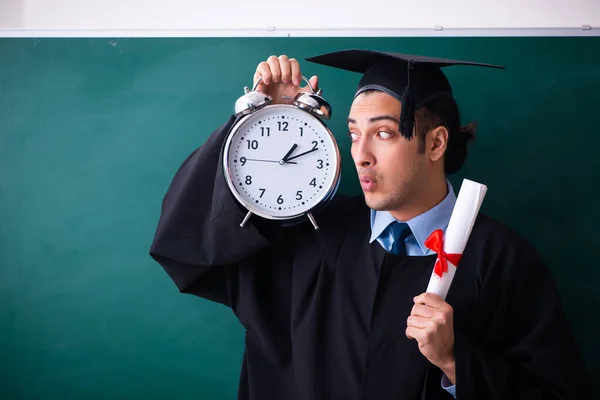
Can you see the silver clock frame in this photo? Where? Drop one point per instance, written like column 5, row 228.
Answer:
column 249, row 206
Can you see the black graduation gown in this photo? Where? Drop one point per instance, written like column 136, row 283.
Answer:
column 325, row 311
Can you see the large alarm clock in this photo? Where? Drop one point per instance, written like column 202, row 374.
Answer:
column 281, row 161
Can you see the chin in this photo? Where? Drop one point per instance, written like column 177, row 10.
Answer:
column 375, row 202
column 381, row 202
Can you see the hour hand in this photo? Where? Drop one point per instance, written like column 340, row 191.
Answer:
column 289, row 153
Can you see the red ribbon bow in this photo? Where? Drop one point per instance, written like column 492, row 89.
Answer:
column 435, row 242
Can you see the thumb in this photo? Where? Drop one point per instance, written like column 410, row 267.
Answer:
column 314, row 82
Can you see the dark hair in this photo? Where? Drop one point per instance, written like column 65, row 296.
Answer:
column 442, row 110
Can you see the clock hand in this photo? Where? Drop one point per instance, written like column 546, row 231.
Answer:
column 275, row 161
column 289, row 153
column 301, row 154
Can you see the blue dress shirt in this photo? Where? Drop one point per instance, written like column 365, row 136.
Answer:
column 421, row 227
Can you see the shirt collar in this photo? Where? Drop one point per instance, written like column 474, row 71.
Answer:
column 423, row 224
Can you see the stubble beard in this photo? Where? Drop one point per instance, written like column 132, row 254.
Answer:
column 402, row 192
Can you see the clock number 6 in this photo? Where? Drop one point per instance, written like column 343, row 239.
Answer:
column 279, row 200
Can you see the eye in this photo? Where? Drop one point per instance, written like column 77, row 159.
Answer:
column 353, row 136
column 384, row 134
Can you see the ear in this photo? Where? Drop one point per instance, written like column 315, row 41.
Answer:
column 437, row 142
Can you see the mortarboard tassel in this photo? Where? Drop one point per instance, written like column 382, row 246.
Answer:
column 407, row 115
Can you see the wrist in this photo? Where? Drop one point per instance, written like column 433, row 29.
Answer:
column 449, row 369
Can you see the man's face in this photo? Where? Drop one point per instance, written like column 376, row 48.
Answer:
column 390, row 168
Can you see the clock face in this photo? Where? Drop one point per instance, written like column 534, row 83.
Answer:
column 281, row 162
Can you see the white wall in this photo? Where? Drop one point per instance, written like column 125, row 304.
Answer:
column 11, row 14
column 277, row 17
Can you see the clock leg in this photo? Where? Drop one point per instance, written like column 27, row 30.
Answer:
column 312, row 220
column 246, row 218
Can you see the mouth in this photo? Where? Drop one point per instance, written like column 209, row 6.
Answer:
column 367, row 183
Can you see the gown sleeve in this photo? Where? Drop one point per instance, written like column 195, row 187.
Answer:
column 199, row 241
column 523, row 347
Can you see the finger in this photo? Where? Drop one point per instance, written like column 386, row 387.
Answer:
column 296, row 75
column 418, row 322
column 286, row 69
column 263, row 71
column 420, row 335
column 430, row 299
column 314, row 82
column 423, row 310
column 275, row 69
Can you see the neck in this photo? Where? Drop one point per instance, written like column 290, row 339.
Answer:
column 429, row 195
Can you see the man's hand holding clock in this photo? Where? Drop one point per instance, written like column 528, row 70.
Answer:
column 280, row 117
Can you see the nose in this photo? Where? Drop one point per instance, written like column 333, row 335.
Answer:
column 362, row 153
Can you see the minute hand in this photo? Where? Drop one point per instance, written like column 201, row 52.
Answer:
column 302, row 154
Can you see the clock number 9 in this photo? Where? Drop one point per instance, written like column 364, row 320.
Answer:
column 243, row 161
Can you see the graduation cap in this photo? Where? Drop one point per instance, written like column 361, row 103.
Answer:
column 411, row 79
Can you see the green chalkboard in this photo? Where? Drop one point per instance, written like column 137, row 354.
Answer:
column 92, row 131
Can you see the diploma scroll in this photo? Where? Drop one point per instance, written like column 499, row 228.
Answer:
column 457, row 234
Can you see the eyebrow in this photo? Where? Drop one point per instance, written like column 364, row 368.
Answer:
column 378, row 118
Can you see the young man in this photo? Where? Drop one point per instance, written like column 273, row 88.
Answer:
column 339, row 312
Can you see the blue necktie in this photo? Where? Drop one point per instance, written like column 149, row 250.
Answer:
column 400, row 231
